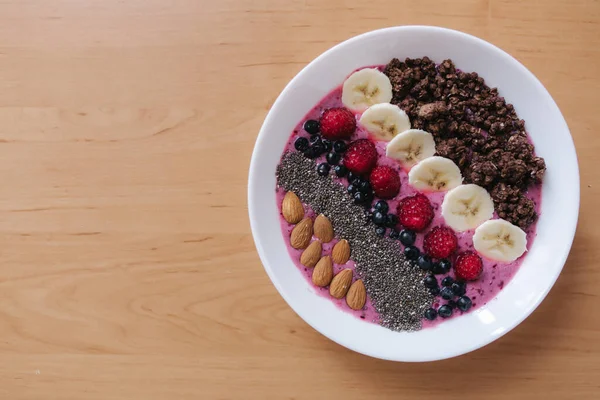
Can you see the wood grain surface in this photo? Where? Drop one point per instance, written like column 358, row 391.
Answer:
column 128, row 270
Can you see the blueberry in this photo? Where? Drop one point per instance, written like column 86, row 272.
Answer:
column 333, row 158
column 301, row 144
column 434, row 291
column 407, row 237
column 391, row 220
column 364, row 186
column 459, row 288
column 315, row 139
column 310, row 153
column 339, row 146
column 380, row 230
column 368, row 196
column 323, row 169
column 382, row 206
column 436, row 269
column 352, row 177
column 351, row 189
column 464, row 303
column 430, row 282
column 452, row 304
column 445, row 266
column 318, row 148
column 447, row 293
column 447, row 281
column 430, row 314
column 445, row 311
column 311, row 126
column 411, row 252
column 327, row 144
column 394, row 234
column 378, row 218
column 359, row 198
column 424, row 262
column 340, row 170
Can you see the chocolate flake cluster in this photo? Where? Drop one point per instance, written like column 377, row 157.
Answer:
column 473, row 126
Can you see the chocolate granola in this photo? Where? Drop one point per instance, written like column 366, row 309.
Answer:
column 473, row 126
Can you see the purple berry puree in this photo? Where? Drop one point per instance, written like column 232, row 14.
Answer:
column 495, row 275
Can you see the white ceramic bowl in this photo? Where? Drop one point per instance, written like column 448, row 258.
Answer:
column 560, row 202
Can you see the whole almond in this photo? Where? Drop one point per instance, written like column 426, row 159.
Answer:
column 340, row 284
column 301, row 234
column 323, row 229
column 291, row 208
column 311, row 255
column 357, row 295
column 323, row 272
column 341, row 252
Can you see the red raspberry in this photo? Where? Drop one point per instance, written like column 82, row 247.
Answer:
column 468, row 266
column 415, row 212
column 337, row 123
column 385, row 182
column 360, row 157
column 440, row 242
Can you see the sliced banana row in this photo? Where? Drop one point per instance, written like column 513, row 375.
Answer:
column 500, row 240
column 466, row 207
column 365, row 88
column 411, row 147
column 384, row 121
column 435, row 174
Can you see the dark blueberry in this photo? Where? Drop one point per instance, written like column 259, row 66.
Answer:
column 352, row 177
column 311, row 126
column 445, row 311
column 323, row 169
column 394, row 234
column 340, row 170
column 339, row 146
column 430, row 282
column 327, row 144
column 378, row 218
column 424, row 262
column 359, row 198
column 430, row 314
column 445, row 266
column 434, row 291
column 351, row 189
column 411, row 252
column 380, row 230
column 315, row 139
column 310, row 153
column 391, row 220
column 459, row 288
column 368, row 198
column 464, row 303
column 318, row 148
column 301, row 144
column 447, row 281
column 333, row 158
column 452, row 304
column 447, row 293
column 436, row 269
column 382, row 206
column 407, row 237
column 364, row 186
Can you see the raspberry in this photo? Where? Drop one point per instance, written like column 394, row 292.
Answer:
column 440, row 242
column 415, row 213
column 337, row 123
column 360, row 157
column 385, row 182
column 468, row 266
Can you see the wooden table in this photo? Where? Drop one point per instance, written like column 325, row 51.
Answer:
column 128, row 268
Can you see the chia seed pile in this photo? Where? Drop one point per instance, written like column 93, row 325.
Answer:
column 394, row 284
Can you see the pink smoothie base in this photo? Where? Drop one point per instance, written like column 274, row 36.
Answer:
column 495, row 274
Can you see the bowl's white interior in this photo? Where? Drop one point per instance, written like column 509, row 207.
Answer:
column 556, row 226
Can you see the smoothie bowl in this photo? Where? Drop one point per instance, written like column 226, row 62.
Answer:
column 406, row 196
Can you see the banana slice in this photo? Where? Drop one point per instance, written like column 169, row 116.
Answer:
column 435, row 174
column 366, row 87
column 466, row 207
column 410, row 147
column 384, row 121
column 500, row 240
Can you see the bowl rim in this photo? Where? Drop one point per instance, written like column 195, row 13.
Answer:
column 262, row 137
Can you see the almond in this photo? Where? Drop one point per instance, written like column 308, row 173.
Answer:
column 357, row 295
column 301, row 234
column 323, row 272
column 341, row 252
column 311, row 255
column 323, row 229
column 340, row 284
column 291, row 208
